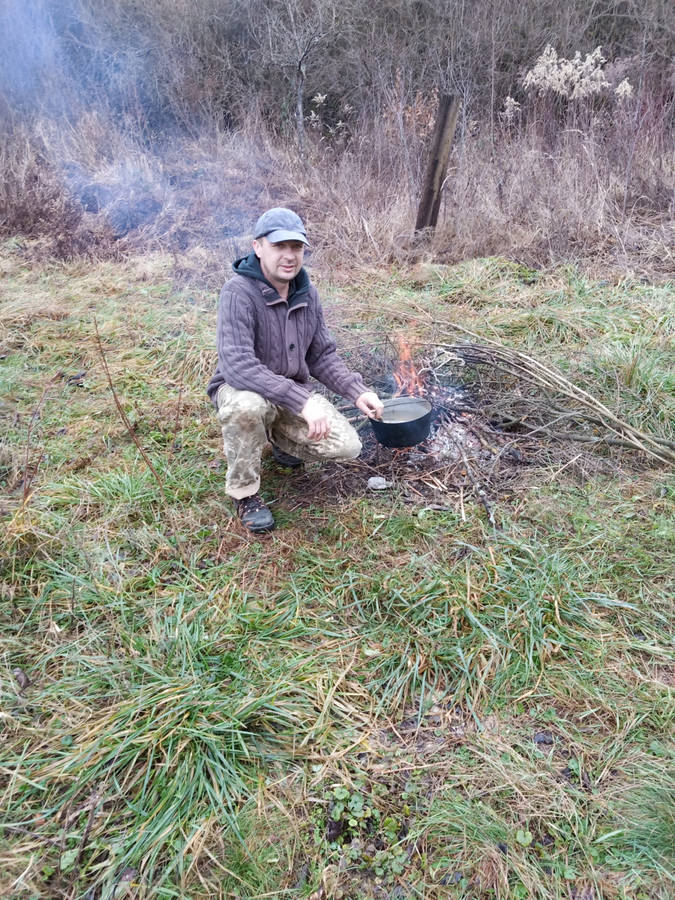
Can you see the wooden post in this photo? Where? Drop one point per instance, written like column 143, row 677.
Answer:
column 446, row 123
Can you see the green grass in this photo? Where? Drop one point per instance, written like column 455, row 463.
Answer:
column 350, row 704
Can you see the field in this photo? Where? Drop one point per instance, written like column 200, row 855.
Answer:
column 388, row 697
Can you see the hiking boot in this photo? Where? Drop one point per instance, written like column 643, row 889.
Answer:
column 254, row 514
column 285, row 459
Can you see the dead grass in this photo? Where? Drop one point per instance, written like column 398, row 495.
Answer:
column 21, row 313
column 93, row 190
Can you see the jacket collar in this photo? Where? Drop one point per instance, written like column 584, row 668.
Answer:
column 249, row 267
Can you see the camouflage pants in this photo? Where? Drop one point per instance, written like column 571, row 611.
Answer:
column 248, row 421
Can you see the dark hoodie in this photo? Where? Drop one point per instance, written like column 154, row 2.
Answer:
column 272, row 346
column 249, row 266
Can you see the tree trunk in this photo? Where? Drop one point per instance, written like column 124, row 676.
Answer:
column 299, row 107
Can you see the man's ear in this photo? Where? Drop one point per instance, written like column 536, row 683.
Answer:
column 256, row 248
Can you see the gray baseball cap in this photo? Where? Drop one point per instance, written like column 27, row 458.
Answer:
column 280, row 224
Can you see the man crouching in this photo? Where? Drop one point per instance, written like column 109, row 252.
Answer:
column 271, row 338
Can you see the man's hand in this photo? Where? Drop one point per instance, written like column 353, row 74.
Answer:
column 316, row 418
column 370, row 404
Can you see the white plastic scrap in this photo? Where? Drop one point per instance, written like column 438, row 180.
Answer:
column 376, row 483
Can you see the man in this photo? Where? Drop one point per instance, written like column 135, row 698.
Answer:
column 271, row 338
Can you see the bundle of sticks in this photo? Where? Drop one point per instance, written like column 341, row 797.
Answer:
column 553, row 406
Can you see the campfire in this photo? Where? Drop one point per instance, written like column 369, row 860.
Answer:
column 453, row 414
column 460, row 452
column 408, row 378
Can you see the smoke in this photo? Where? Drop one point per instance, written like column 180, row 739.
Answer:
column 94, row 86
column 32, row 64
column 60, row 57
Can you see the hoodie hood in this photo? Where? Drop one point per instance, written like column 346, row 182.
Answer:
column 249, row 267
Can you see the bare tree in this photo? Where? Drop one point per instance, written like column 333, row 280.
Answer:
column 292, row 31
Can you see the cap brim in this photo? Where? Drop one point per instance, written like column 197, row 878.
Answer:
column 276, row 237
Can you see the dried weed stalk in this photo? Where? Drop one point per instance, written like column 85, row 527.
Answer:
column 146, row 459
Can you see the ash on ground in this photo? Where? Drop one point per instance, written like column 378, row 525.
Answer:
column 451, row 440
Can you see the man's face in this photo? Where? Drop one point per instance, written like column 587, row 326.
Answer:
column 281, row 262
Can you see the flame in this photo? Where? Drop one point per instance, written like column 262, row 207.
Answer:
column 407, row 377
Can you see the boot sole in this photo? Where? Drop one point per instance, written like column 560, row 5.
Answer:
column 263, row 530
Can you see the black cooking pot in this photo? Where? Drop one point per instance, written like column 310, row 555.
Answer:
column 405, row 422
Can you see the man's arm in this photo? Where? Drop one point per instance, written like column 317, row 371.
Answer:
column 327, row 367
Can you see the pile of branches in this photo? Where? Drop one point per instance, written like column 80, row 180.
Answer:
column 543, row 403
